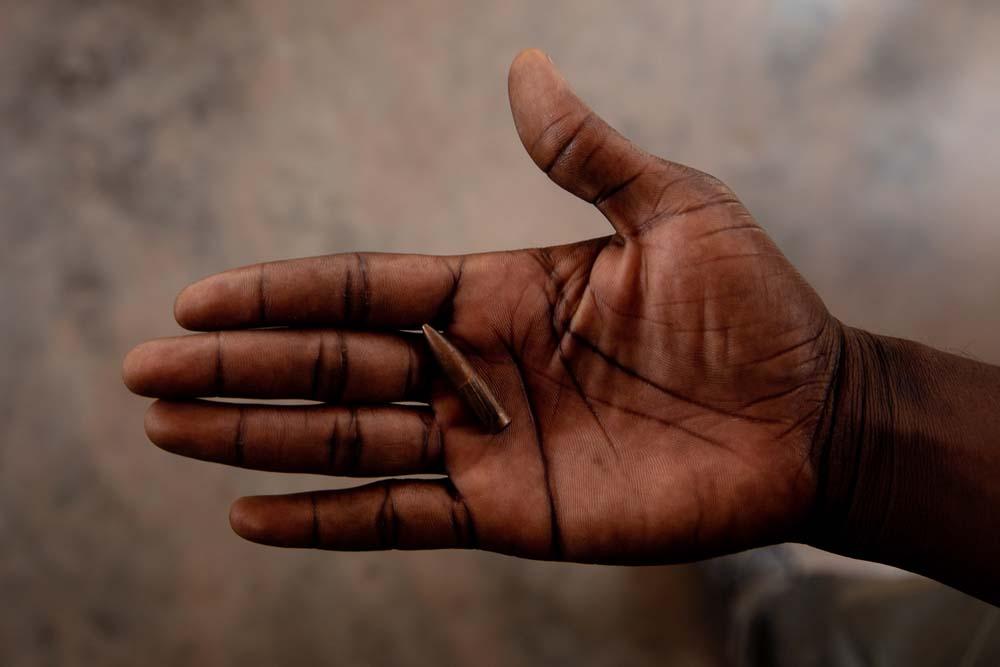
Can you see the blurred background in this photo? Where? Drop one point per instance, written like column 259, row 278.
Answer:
column 144, row 144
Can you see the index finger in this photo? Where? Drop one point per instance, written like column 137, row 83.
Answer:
column 358, row 289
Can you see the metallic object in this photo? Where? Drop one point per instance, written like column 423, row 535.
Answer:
column 467, row 382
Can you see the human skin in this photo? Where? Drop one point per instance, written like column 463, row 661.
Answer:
column 677, row 390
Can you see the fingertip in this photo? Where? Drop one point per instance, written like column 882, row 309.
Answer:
column 134, row 369
column 245, row 518
column 198, row 302
column 222, row 301
column 183, row 314
column 154, row 423
column 576, row 148
column 542, row 103
column 164, row 424
column 525, row 56
column 280, row 521
column 532, row 72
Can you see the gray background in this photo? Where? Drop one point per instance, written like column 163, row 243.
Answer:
column 144, row 144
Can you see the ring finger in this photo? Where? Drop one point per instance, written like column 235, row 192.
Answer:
column 318, row 439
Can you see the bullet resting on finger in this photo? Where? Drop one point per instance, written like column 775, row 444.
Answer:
column 467, row 382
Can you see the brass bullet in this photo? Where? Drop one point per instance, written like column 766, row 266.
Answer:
column 467, row 382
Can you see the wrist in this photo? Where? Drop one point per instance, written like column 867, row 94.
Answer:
column 876, row 459
column 908, row 458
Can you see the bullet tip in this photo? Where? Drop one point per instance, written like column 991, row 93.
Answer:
column 470, row 385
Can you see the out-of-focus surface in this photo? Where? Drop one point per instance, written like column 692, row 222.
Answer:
column 145, row 143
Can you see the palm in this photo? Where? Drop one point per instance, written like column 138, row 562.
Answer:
column 697, row 359
column 665, row 383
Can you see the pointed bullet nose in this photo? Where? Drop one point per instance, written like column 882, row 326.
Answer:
column 452, row 362
column 443, row 350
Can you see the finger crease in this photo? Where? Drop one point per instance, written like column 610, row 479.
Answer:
column 411, row 369
column 316, row 543
column 356, row 443
column 332, row 445
column 594, row 150
column 432, row 447
column 239, row 440
column 261, row 294
column 444, row 313
column 426, row 441
column 603, row 196
column 387, row 523
column 348, row 301
column 462, row 523
column 567, row 144
column 341, row 381
column 219, row 372
column 541, row 135
column 314, row 390
column 365, row 305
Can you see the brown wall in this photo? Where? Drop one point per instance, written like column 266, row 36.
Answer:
column 144, row 144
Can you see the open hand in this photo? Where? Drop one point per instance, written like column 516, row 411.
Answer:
column 668, row 384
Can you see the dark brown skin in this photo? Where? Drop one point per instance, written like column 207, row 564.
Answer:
column 677, row 390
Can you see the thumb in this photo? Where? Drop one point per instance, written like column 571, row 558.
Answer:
column 581, row 152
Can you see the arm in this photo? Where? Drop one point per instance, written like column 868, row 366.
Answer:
column 911, row 474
